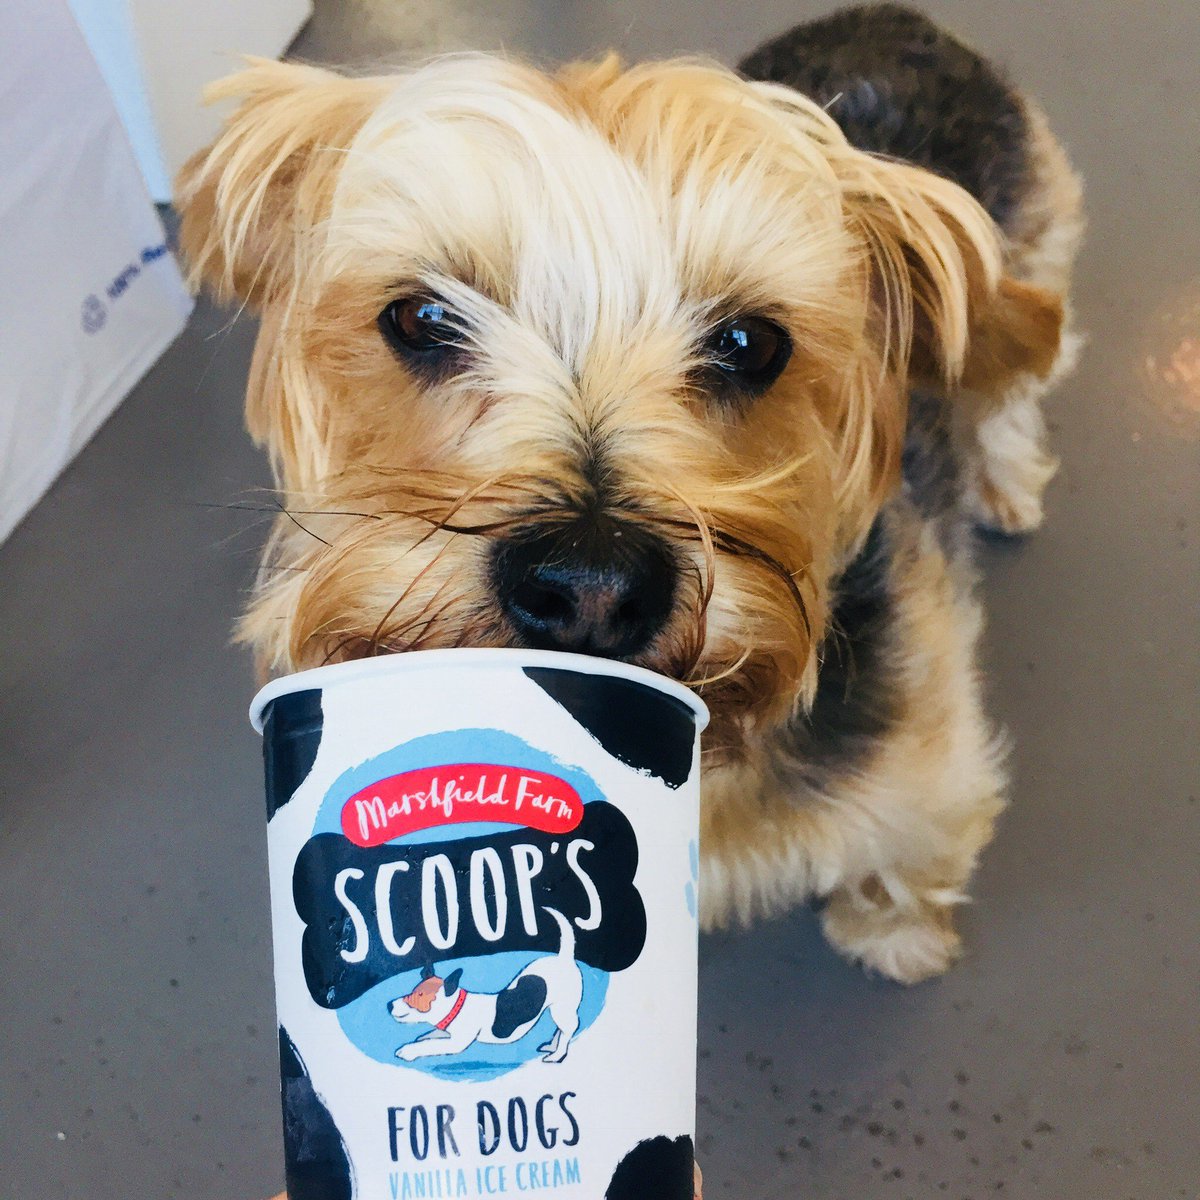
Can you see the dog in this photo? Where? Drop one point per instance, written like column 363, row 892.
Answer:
column 710, row 371
column 460, row 1018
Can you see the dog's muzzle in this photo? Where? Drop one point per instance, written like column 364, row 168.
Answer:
column 598, row 585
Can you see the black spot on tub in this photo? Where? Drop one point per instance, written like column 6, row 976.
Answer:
column 292, row 727
column 643, row 728
column 521, row 1002
column 317, row 1166
column 660, row 1168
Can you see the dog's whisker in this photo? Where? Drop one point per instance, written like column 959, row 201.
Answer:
column 335, row 650
column 728, row 672
column 483, row 529
column 293, row 512
column 698, row 630
column 457, row 506
column 425, row 626
column 762, row 480
column 408, row 590
column 419, row 618
column 304, row 528
column 703, row 531
column 707, row 580
column 731, row 542
column 238, row 506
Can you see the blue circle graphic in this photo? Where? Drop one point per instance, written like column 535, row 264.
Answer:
column 367, row 1021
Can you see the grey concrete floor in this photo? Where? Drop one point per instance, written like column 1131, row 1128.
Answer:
column 1060, row 1060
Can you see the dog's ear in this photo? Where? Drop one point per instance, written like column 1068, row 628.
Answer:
column 947, row 310
column 943, row 310
column 427, row 972
column 269, row 177
column 930, row 279
column 450, row 986
column 1017, row 331
column 252, row 207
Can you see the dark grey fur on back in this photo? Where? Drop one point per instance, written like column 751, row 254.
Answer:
column 899, row 85
column 932, row 478
column 856, row 699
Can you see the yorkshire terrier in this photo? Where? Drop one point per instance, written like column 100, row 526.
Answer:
column 705, row 370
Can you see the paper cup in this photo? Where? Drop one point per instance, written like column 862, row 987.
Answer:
column 483, row 885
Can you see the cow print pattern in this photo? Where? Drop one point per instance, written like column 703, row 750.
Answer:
column 643, row 728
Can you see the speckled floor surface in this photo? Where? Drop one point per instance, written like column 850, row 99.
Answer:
column 1061, row 1060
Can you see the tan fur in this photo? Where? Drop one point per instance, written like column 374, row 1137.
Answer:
column 1000, row 428
column 1050, row 223
column 892, row 843
column 587, row 228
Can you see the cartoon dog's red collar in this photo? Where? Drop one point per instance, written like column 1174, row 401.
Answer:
column 448, row 1019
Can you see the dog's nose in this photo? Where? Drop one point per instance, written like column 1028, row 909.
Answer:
column 597, row 586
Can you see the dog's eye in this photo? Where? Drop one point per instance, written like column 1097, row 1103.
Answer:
column 420, row 327
column 748, row 353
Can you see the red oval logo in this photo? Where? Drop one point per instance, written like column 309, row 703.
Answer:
column 458, row 793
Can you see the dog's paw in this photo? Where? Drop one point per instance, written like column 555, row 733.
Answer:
column 1010, row 511
column 1008, row 475
column 408, row 1052
column 906, row 944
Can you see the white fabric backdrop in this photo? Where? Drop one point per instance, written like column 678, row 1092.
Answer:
column 89, row 294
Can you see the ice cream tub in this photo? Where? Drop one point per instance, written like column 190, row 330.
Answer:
column 483, row 872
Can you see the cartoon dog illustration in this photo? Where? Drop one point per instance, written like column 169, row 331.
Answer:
column 461, row 1018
